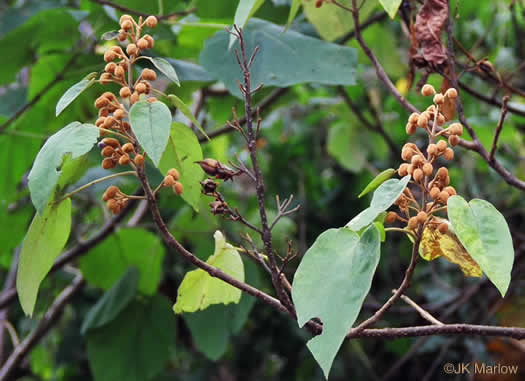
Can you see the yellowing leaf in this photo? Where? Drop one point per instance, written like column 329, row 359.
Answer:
column 200, row 290
column 435, row 244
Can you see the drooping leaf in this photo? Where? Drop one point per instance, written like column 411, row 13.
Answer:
column 183, row 107
column 284, row 59
column 43, row 243
column 390, row 6
column 151, row 124
column 182, row 152
column 112, row 302
column 199, row 289
column 109, row 260
column 245, row 10
column 166, row 68
column 75, row 139
column 384, row 197
column 428, row 28
column 73, row 92
column 435, row 244
column 483, row 231
column 143, row 333
column 294, row 8
column 377, row 181
column 336, row 299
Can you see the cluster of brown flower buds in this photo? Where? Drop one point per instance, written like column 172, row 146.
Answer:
column 115, row 200
column 434, row 183
column 111, row 114
column 114, row 154
column 171, row 180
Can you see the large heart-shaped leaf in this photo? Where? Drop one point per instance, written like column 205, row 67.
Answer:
column 284, row 59
column 151, row 124
column 182, row 152
column 384, row 196
column 331, row 283
column 43, row 243
column 199, row 289
column 483, row 231
column 75, row 139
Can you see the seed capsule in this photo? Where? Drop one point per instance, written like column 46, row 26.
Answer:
column 174, row 173
column 178, row 188
column 443, row 228
column 441, row 145
column 421, row 217
column 150, row 40
column 151, row 21
column 391, row 217
column 428, row 90
column 125, row 92
column 123, row 18
column 417, row 160
column 107, row 163
column 119, row 71
column 449, row 154
column 428, row 169
column 418, row 174
column 169, row 181
column 139, row 160
column 413, row 222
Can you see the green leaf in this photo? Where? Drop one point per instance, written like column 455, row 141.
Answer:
column 341, row 137
column 351, row 262
column 296, row 4
column 109, row 260
column 73, row 92
column 483, row 231
column 151, row 124
column 284, row 59
column 112, row 302
column 331, row 22
column 189, row 71
column 384, row 197
column 377, row 181
column 390, row 6
column 199, row 289
column 166, row 68
column 143, row 334
column 245, row 10
column 182, row 152
column 75, row 139
column 187, row 112
column 43, row 243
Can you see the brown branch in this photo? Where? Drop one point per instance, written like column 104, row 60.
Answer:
column 499, row 127
column 138, row 13
column 50, row 318
column 190, row 257
column 370, row 21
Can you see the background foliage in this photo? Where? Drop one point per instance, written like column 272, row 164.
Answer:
column 313, row 146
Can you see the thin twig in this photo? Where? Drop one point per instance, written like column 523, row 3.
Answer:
column 499, row 127
column 138, row 13
column 424, row 313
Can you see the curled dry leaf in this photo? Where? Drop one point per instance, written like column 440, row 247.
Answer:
column 435, row 244
column 429, row 51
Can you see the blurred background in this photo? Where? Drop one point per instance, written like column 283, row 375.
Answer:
column 321, row 143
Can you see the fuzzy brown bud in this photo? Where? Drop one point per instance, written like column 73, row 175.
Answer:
column 107, row 151
column 403, row 170
column 441, row 145
column 443, row 228
column 428, row 169
column 118, row 114
column 391, row 217
column 151, row 21
column 128, row 148
column 141, row 88
column 127, row 25
column 112, row 191
column 134, row 98
column 151, row 41
column 450, row 190
column 131, row 49
column 418, row 174
column 110, row 67
column 107, row 163
column 119, row 71
column 149, row 75
column 442, row 173
column 452, row 93
column 423, row 120
column 139, row 160
column 143, row 44
column 434, row 192
column 407, row 153
column 125, row 92
column 427, row 90
column 101, row 102
column 109, row 55
column 169, row 181
column 410, row 129
column 417, row 160
column 453, row 140
column 422, row 217
column 105, row 78
column 443, row 196
column 413, row 118
column 455, row 129
column 174, row 173
column 439, row 99
column 449, row 154
column 111, row 142
column 440, row 120
column 178, row 188
column 432, row 149
column 124, row 160
column 413, row 222
column 100, row 121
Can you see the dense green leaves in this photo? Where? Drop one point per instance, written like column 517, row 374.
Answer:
column 182, row 152
column 136, row 345
column 199, row 289
column 284, row 59
column 112, row 302
column 331, row 283
column 377, row 181
column 75, row 139
column 73, row 92
column 43, row 243
column 151, row 124
column 483, row 231
column 384, row 196
column 391, row 6
column 109, row 261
